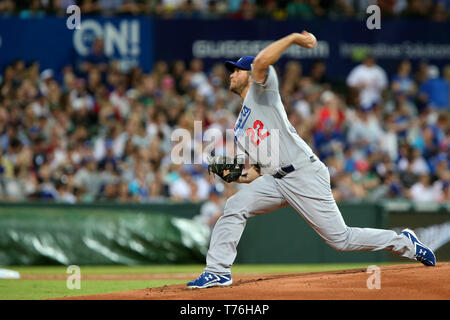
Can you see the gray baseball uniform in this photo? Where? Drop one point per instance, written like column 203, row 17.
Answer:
column 307, row 188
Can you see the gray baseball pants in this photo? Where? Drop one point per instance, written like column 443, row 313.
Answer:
column 308, row 191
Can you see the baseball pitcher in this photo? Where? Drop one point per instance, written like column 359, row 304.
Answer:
column 298, row 178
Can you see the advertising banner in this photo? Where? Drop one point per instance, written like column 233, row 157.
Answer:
column 51, row 43
column 143, row 40
column 341, row 44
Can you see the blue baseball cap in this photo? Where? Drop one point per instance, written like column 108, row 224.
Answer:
column 244, row 63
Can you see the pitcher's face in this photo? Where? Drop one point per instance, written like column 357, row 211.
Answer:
column 239, row 80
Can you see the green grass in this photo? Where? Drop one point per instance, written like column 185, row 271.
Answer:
column 25, row 289
column 48, row 289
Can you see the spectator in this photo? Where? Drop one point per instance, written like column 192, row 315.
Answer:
column 119, row 100
column 129, row 7
column 389, row 136
column 88, row 179
column 180, row 188
column 64, row 195
column 328, row 141
column 445, row 192
column 331, row 112
column 440, row 10
column 273, row 9
column 211, row 210
column 423, row 190
column 348, row 161
column 345, row 189
column 302, row 9
column 7, row 7
column 58, row 7
column 418, row 163
column 140, row 185
column 402, row 116
column 199, row 80
column 318, row 73
column 247, row 10
column 394, row 186
column 402, row 81
column 446, row 75
column 370, row 80
column 89, row 6
column 188, row 10
column 364, row 133
column 339, row 8
column 435, row 89
column 417, row 9
column 34, row 10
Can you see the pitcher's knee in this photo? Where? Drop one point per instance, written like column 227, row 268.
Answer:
column 340, row 242
column 235, row 206
column 338, row 245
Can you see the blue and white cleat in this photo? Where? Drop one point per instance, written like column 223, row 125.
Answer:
column 208, row 279
column 423, row 253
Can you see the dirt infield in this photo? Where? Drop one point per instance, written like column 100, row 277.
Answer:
column 400, row 282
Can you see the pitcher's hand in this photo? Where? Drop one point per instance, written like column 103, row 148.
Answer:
column 306, row 39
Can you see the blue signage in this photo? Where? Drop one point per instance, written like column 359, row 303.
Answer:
column 340, row 43
column 142, row 41
column 53, row 45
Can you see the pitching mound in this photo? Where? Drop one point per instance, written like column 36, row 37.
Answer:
column 401, row 282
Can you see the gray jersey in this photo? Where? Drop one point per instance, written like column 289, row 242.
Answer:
column 263, row 130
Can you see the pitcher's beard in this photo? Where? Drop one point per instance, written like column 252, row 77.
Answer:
column 237, row 89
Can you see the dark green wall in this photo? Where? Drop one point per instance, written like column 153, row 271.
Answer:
column 278, row 237
column 284, row 236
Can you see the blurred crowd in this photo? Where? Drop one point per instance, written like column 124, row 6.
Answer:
column 436, row 10
column 92, row 132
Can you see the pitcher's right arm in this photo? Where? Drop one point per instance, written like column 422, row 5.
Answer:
column 273, row 52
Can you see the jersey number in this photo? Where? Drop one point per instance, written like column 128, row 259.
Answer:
column 258, row 126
